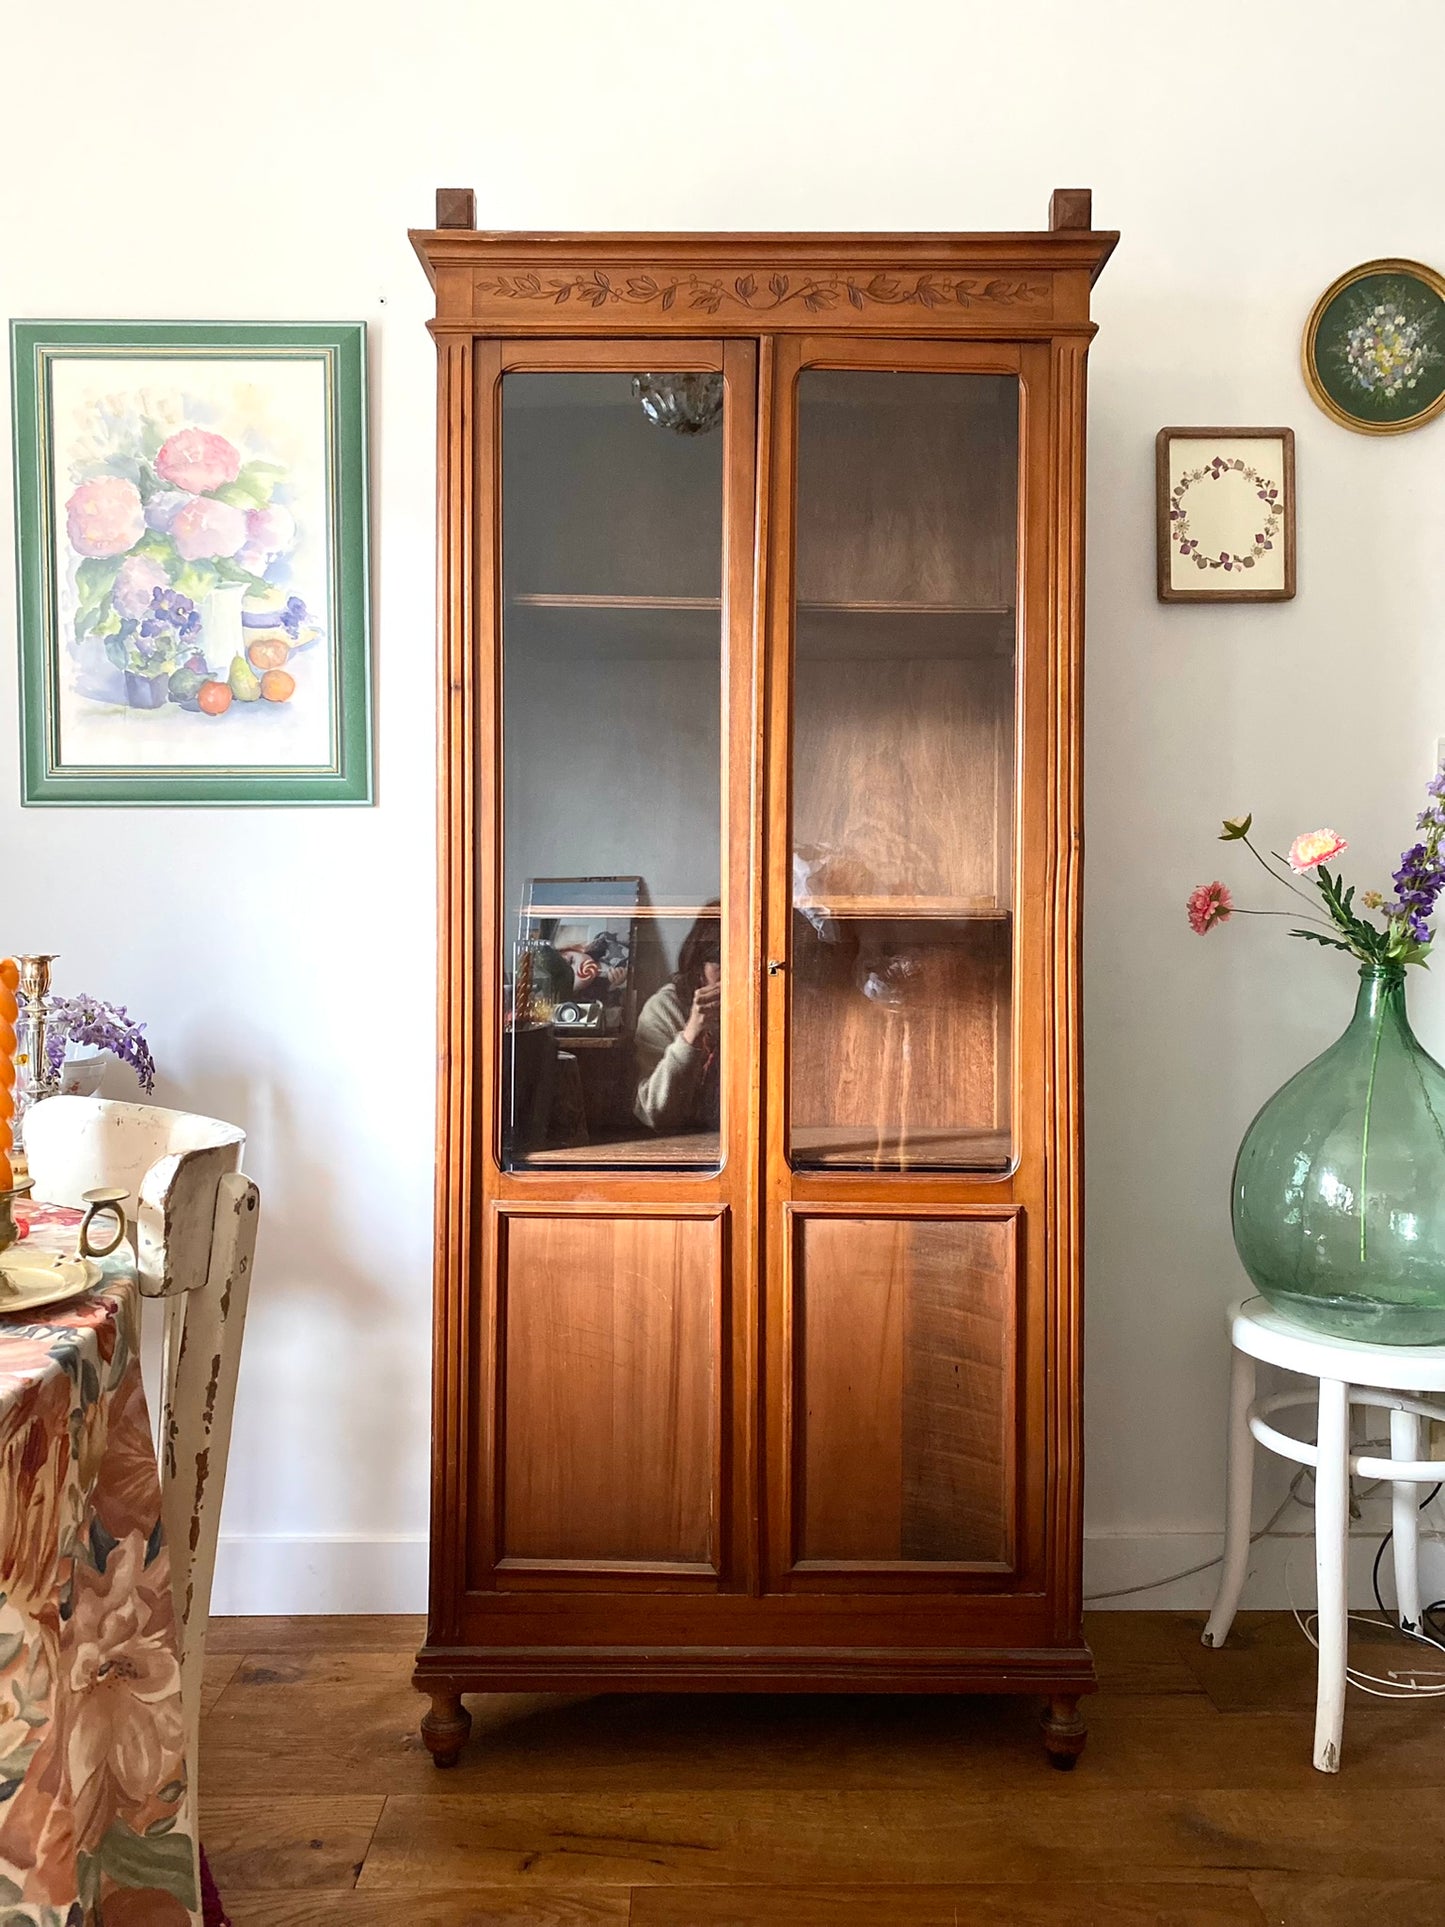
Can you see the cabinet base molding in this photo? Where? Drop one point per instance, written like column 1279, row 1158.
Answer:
column 1062, row 1674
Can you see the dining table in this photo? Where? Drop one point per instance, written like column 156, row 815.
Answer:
column 96, row 1827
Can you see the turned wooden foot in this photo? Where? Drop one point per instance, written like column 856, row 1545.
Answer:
column 1064, row 1731
column 446, row 1727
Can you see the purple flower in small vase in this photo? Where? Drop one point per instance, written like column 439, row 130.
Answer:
column 90, row 1024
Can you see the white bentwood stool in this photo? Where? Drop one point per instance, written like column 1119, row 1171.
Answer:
column 1389, row 1378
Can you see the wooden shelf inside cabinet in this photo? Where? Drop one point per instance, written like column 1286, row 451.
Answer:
column 906, row 909
column 848, row 1147
column 653, row 627
column 694, row 1150
column 615, row 627
column 620, row 912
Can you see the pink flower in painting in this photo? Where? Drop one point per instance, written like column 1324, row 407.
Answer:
column 137, row 578
column 127, row 1735
column 1313, row 848
column 105, row 517
column 163, row 508
column 204, row 529
column 1208, row 905
column 195, row 459
column 270, row 530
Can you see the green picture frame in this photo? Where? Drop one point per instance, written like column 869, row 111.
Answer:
column 192, row 562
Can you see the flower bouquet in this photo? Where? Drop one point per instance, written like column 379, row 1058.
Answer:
column 1339, row 1186
column 172, row 532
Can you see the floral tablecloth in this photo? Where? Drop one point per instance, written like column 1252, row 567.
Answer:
column 95, row 1825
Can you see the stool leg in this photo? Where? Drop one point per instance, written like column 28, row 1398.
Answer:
column 1239, row 1502
column 1332, row 1525
column 1405, row 1431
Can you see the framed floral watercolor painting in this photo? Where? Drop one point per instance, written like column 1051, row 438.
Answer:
column 1374, row 348
column 192, row 560
column 1225, row 499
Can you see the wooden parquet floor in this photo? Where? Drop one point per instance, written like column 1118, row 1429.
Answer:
column 1195, row 1801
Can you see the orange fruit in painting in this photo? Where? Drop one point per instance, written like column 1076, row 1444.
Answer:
column 277, row 686
column 214, row 697
column 9, row 973
column 268, row 654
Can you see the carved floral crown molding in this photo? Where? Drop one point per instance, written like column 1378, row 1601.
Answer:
column 1035, row 282
column 753, row 294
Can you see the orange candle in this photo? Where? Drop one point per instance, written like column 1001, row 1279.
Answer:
column 9, row 1009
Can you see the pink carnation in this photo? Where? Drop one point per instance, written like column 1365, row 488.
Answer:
column 138, row 577
column 204, row 529
column 105, row 516
column 1208, row 905
column 1314, row 847
column 195, row 459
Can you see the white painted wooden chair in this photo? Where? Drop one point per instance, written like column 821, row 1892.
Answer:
column 1386, row 1378
column 192, row 1219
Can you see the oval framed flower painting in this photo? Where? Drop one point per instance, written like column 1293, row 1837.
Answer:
column 1374, row 347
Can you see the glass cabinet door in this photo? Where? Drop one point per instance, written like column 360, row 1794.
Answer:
column 612, row 542
column 903, row 761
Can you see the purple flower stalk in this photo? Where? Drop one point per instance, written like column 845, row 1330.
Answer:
column 86, row 1020
column 1421, row 875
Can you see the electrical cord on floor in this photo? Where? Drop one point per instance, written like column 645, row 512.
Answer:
column 1401, row 1683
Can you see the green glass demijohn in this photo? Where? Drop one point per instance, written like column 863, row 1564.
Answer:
column 1339, row 1186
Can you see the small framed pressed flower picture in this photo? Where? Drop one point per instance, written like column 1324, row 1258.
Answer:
column 192, row 554
column 1374, row 348
column 1225, row 500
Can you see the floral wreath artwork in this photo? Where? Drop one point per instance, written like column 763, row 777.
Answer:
column 1226, row 514
column 1270, row 516
column 1374, row 348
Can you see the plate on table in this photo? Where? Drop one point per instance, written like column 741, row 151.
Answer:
column 35, row 1280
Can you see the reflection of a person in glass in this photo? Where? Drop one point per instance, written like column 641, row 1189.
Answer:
column 677, row 1039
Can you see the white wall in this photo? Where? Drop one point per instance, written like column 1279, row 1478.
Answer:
column 266, row 162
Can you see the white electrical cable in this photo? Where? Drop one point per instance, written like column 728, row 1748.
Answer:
column 1266, row 1531
column 1396, row 1685
column 1152, row 1585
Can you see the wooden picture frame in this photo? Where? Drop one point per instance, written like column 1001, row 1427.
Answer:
column 1236, row 541
column 191, row 533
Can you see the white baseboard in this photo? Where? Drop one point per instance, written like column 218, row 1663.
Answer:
column 279, row 1573
column 284, row 1573
column 1281, row 1571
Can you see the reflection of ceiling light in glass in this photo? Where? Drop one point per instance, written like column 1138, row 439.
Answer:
column 687, row 404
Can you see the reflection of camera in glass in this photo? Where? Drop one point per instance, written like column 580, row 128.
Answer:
column 573, row 1015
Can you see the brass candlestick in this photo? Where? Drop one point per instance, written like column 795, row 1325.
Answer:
column 34, row 1078
column 9, row 1230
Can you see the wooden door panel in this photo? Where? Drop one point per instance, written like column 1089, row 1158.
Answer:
column 903, row 1349
column 609, row 1401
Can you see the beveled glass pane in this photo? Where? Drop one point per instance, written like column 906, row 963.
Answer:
column 903, row 770
column 612, row 534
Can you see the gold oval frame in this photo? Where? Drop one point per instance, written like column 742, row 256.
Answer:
column 1318, row 394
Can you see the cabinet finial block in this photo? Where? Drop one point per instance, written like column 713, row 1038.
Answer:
column 1071, row 207
column 456, row 207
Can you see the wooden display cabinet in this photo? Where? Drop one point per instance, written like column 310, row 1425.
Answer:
column 757, row 1358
